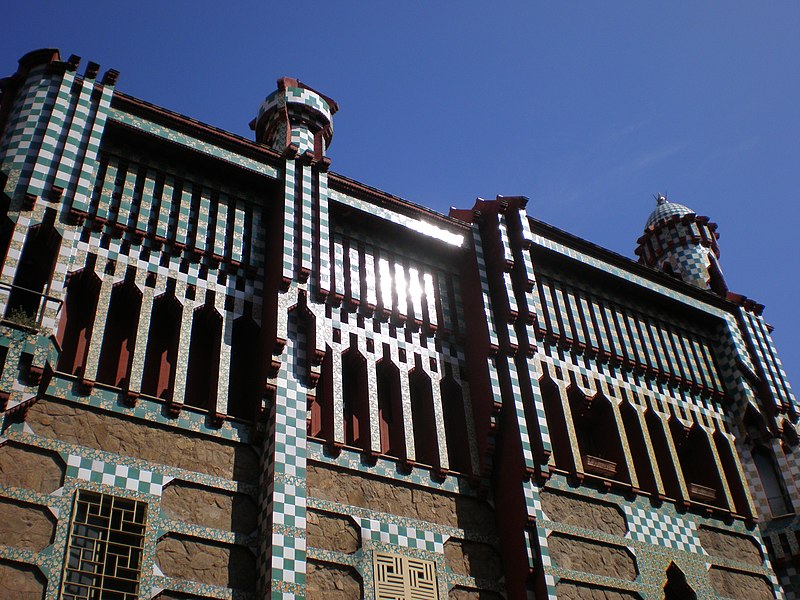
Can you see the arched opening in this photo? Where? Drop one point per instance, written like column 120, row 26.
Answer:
column 77, row 318
column 677, row 588
column 244, row 391
column 638, row 446
column 162, row 347
column 319, row 422
column 355, row 399
column 725, row 451
column 390, row 408
column 768, row 472
column 202, row 374
column 6, row 226
column 122, row 320
column 666, row 466
column 556, row 424
column 423, row 417
column 716, row 281
column 34, row 270
column 455, row 425
column 598, row 439
column 697, row 463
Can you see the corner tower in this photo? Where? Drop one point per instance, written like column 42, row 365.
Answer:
column 295, row 119
column 683, row 245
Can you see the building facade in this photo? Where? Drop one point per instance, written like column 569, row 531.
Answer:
column 228, row 372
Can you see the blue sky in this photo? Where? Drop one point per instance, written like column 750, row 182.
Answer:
column 587, row 108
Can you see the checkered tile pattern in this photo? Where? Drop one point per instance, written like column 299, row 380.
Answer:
column 790, row 581
column 662, row 529
column 665, row 210
column 121, row 476
column 196, row 145
column 400, row 535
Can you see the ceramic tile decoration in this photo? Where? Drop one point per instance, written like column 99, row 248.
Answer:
column 304, row 384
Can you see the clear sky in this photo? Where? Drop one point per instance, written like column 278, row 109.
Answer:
column 587, row 108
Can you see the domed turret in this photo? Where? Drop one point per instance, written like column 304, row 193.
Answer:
column 683, row 245
column 295, row 118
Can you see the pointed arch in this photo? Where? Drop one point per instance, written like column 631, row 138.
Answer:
column 556, row 423
column 355, row 398
column 35, row 269
column 203, row 371
column 122, row 321
column 162, row 347
column 598, row 435
column 638, row 446
column 666, row 465
column 423, row 417
column 772, row 481
column 390, row 407
column 676, row 586
column 6, row 226
column 697, row 463
column 319, row 421
column 455, row 425
column 244, row 392
column 77, row 319
column 730, row 470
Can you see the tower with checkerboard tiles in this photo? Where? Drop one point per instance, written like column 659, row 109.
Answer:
column 229, row 373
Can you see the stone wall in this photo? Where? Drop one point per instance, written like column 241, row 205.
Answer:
column 332, row 532
column 31, row 468
column 332, row 582
column 21, row 582
column 577, row 591
column 473, row 559
column 215, row 564
column 210, row 508
column 130, row 437
column 582, row 512
column 591, row 557
column 465, row 594
column 401, row 499
column 733, row 584
column 721, row 544
column 25, row 526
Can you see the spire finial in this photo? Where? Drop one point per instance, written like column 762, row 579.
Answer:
column 661, row 198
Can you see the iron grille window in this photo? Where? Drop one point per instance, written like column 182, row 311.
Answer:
column 404, row 578
column 104, row 556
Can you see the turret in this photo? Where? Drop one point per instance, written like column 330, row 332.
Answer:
column 682, row 244
column 295, row 119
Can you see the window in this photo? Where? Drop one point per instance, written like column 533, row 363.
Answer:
column 404, row 578
column 104, row 555
column 779, row 502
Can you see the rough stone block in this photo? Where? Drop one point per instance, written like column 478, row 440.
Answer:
column 210, row 508
column 577, row 591
column 591, row 557
column 583, row 512
column 148, row 441
column 731, row 546
column 332, row 582
column 25, row 526
column 473, row 559
column 207, row 562
column 734, row 584
column 21, row 582
column 400, row 499
column 332, row 532
column 30, row 468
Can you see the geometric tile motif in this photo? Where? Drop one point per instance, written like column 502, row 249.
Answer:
column 667, row 531
column 399, row 535
column 122, row 476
